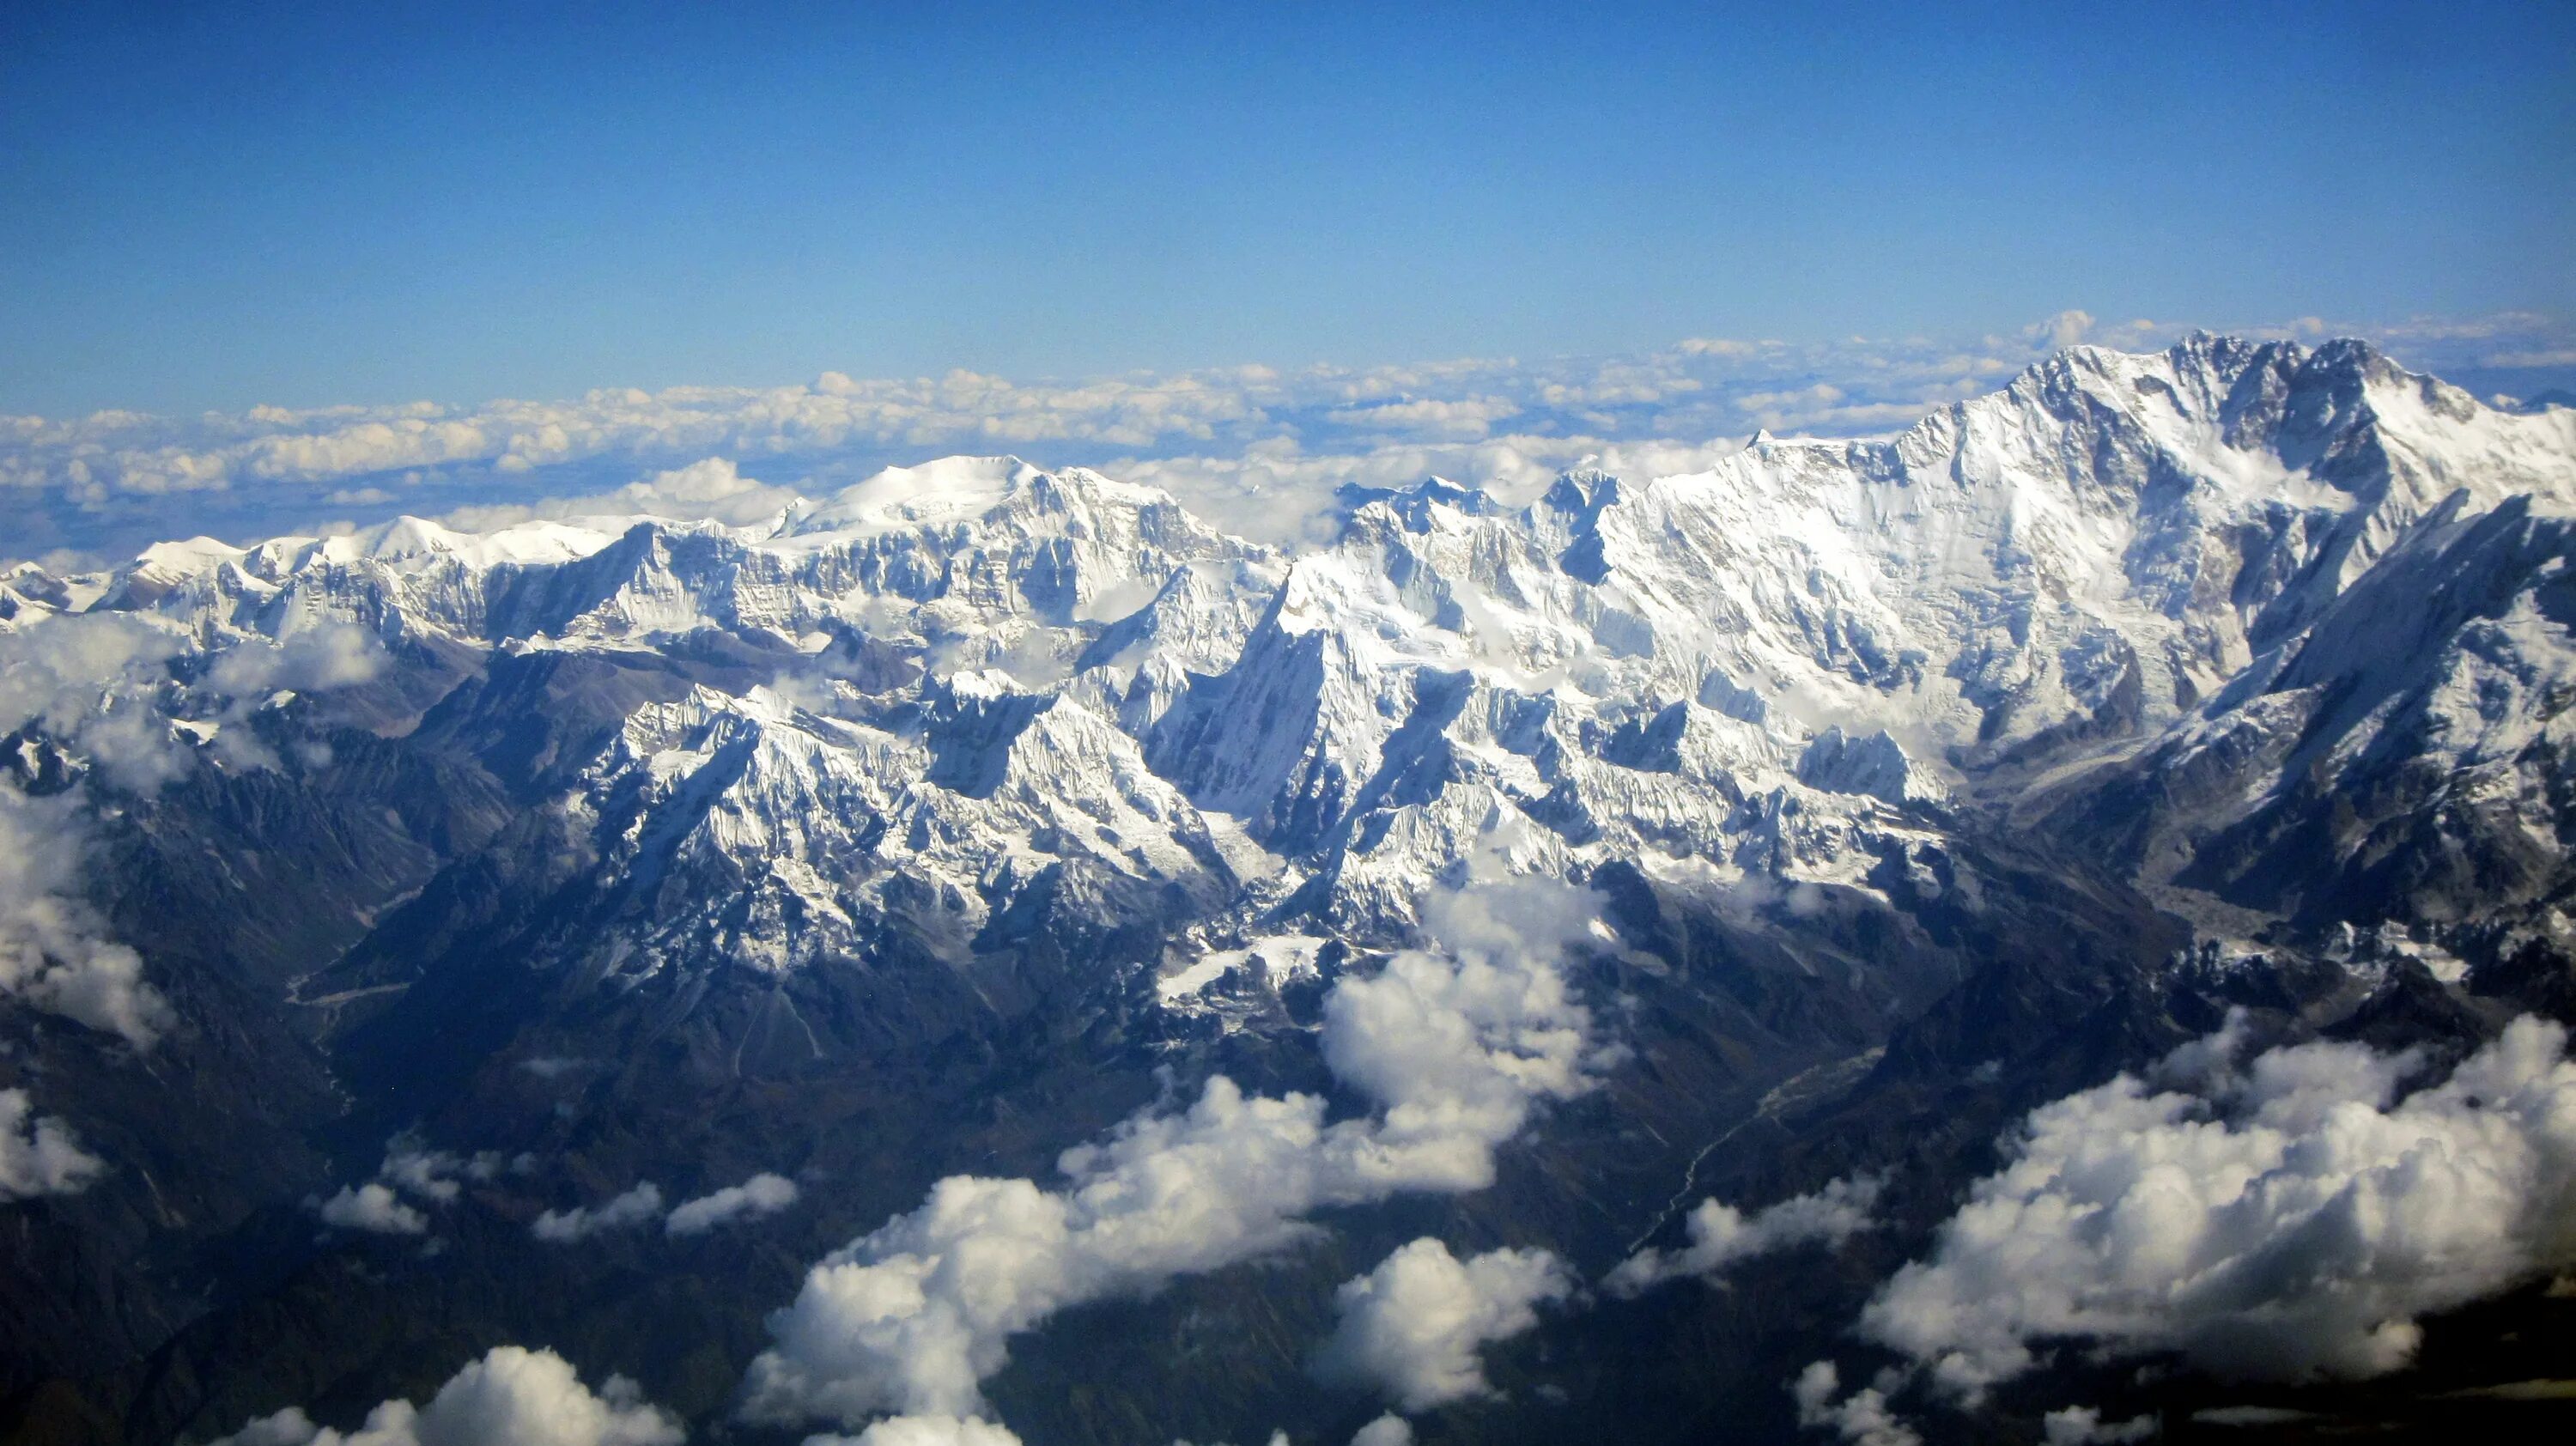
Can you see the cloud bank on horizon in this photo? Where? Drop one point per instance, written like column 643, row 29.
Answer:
column 1255, row 449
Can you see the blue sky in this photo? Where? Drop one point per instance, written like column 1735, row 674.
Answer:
column 307, row 205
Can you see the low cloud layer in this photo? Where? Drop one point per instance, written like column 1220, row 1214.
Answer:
column 39, row 1155
column 2286, row 1222
column 511, row 1397
column 1414, row 1326
column 1721, row 1235
column 1452, row 1046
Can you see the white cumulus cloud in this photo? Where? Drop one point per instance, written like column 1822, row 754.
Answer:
column 1413, row 1326
column 1386, row 1430
column 511, row 1397
column 1862, row 1418
column 372, row 1207
column 2287, row 1222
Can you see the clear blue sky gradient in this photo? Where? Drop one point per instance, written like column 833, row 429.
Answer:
column 308, row 204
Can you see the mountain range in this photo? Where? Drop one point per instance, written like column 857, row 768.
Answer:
column 1510, row 972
